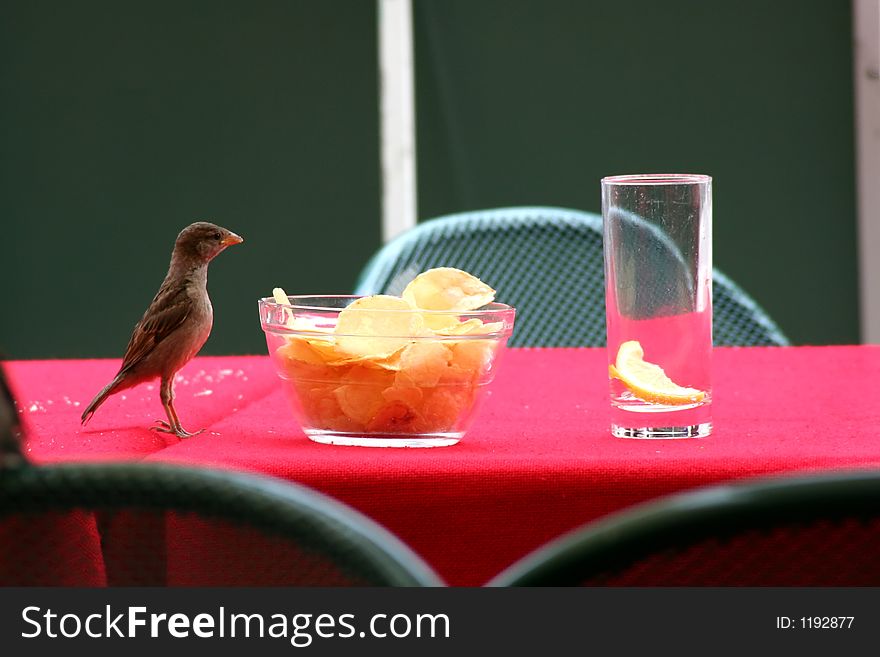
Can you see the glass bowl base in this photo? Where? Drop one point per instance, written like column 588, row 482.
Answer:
column 384, row 440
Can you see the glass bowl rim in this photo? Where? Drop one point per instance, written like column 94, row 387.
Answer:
column 492, row 308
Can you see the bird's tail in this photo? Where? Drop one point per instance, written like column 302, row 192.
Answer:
column 108, row 390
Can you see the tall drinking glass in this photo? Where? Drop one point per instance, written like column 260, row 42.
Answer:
column 658, row 304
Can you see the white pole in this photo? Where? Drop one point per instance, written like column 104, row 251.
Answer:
column 866, row 32
column 397, row 110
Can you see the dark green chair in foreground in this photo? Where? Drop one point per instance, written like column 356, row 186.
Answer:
column 154, row 524
column 817, row 530
column 548, row 263
column 150, row 524
column 145, row 524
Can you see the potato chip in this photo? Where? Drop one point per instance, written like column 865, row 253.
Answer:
column 315, row 402
column 280, row 296
column 326, row 348
column 313, row 397
column 405, row 392
column 446, row 288
column 381, row 362
column 458, row 327
column 360, row 396
column 360, row 375
column 281, row 299
column 359, row 402
column 474, row 355
column 306, row 357
column 440, row 321
column 299, row 349
column 393, row 417
column 330, row 416
column 445, row 407
column 361, row 324
column 425, row 362
column 455, row 375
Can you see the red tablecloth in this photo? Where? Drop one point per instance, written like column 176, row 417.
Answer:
column 538, row 461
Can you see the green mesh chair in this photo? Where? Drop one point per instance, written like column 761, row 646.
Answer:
column 819, row 530
column 145, row 524
column 548, row 263
column 152, row 524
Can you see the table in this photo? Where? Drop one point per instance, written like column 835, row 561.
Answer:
column 538, row 461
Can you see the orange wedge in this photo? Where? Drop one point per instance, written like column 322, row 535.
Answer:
column 648, row 381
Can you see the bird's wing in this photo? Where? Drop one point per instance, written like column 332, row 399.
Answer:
column 169, row 309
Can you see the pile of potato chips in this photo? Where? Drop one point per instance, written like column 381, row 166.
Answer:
column 393, row 365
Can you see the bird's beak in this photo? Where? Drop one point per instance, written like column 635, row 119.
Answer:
column 231, row 239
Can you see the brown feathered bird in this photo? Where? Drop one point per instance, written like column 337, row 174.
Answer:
column 175, row 326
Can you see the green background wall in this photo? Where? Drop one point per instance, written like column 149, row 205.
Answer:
column 123, row 122
column 525, row 102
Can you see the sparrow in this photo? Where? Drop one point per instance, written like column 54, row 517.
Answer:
column 175, row 325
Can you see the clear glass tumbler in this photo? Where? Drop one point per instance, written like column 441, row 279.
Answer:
column 658, row 302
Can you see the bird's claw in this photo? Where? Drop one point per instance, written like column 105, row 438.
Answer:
column 180, row 432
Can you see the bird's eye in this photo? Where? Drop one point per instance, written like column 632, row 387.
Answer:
column 216, row 236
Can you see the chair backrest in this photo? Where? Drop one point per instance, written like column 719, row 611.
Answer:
column 819, row 530
column 548, row 263
column 153, row 524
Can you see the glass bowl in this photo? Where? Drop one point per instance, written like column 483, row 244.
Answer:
column 417, row 383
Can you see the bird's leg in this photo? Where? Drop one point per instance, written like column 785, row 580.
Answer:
column 166, row 394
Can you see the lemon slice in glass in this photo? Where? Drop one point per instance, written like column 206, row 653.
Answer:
column 648, row 381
